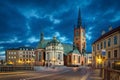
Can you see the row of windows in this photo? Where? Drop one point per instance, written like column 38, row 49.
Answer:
column 59, row 57
column 28, row 52
column 77, row 58
column 109, row 43
column 12, row 53
column 26, row 59
column 28, row 56
column 12, row 57
column 115, row 54
column 52, row 48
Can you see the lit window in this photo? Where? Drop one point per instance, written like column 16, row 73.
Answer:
column 115, row 39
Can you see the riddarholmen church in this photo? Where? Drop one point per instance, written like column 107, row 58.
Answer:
column 54, row 53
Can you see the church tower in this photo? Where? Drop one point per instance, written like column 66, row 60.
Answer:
column 79, row 35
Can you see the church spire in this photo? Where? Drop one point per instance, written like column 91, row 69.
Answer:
column 79, row 23
column 42, row 37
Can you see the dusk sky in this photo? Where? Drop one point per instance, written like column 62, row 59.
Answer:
column 22, row 21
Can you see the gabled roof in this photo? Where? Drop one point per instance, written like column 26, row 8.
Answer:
column 74, row 51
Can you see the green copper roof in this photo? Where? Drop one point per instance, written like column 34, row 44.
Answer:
column 53, row 41
column 42, row 44
column 74, row 51
column 67, row 48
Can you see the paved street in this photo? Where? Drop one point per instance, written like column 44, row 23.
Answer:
column 73, row 73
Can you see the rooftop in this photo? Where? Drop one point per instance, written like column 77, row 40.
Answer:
column 107, row 34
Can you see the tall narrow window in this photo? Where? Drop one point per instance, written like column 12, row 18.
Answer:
column 115, row 40
column 74, row 57
column 40, row 56
column 115, row 53
column 109, row 42
column 109, row 54
column 59, row 56
column 97, row 46
column 79, row 59
column 105, row 44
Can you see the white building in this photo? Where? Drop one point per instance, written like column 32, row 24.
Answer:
column 54, row 53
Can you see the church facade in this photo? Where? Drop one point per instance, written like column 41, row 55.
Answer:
column 54, row 53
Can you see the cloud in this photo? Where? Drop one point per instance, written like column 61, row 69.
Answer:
column 21, row 22
column 13, row 40
column 33, row 39
column 2, row 55
column 116, row 17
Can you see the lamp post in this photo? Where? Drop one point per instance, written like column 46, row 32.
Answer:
column 99, row 61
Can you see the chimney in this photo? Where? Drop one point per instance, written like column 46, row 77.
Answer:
column 110, row 28
column 103, row 32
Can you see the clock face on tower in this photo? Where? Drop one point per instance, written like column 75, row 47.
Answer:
column 77, row 33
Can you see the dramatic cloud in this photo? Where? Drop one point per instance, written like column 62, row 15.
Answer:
column 22, row 21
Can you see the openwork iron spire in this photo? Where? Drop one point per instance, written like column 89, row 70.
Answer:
column 79, row 23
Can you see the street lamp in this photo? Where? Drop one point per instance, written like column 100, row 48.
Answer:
column 54, row 61
column 43, row 62
column 99, row 61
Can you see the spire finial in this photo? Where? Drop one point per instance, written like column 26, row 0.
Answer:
column 42, row 37
column 79, row 19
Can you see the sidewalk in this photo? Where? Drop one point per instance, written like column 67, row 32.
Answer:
column 95, row 75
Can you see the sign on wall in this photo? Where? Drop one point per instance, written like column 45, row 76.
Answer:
column 103, row 52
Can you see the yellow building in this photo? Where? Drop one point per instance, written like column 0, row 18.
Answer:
column 106, row 49
column 20, row 56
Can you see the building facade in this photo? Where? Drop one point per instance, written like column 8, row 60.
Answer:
column 89, row 58
column 106, row 49
column 20, row 56
column 54, row 53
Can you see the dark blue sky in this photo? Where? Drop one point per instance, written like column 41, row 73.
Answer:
column 22, row 21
